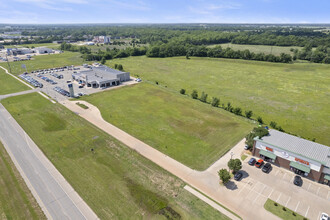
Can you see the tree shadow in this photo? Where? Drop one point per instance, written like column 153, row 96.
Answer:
column 231, row 185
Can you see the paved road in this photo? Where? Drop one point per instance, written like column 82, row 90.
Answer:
column 18, row 93
column 56, row 197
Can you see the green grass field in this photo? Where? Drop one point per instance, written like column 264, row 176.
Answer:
column 275, row 50
column 296, row 96
column 9, row 84
column 187, row 130
column 115, row 181
column 45, row 61
column 16, row 201
column 286, row 214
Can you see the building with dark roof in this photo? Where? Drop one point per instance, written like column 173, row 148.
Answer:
column 302, row 156
column 101, row 77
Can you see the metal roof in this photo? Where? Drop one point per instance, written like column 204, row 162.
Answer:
column 100, row 74
column 299, row 146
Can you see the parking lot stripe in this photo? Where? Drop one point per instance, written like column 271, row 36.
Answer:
column 307, row 211
column 284, row 176
column 278, row 197
column 318, row 191
column 309, row 186
column 286, row 205
column 258, row 194
column 297, row 206
column 243, row 188
column 277, row 172
column 270, row 193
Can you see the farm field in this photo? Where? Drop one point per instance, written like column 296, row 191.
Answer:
column 296, row 96
column 275, row 50
column 116, row 182
column 9, row 84
column 192, row 132
column 21, row 204
column 46, row 61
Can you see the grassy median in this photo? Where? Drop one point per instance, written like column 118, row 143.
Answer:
column 16, row 201
column 9, row 84
column 187, row 130
column 281, row 211
column 115, row 181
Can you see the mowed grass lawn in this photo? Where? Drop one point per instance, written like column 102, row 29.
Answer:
column 9, row 84
column 115, row 181
column 45, row 61
column 275, row 50
column 296, row 96
column 187, row 130
column 16, row 201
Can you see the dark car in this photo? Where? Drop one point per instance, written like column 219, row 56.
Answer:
column 252, row 161
column 238, row 176
column 267, row 168
column 297, row 181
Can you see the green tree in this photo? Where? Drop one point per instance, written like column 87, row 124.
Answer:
column 235, row 165
column 224, row 175
column 103, row 60
column 120, row 67
column 182, row 91
column 116, row 66
column 215, row 102
column 203, row 97
column 259, row 119
column 259, row 131
column 194, row 94
column 248, row 114
column 237, row 111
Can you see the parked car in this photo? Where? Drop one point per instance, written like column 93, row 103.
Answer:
column 324, row 216
column 238, row 176
column 259, row 163
column 297, row 181
column 246, row 147
column 266, row 168
column 252, row 161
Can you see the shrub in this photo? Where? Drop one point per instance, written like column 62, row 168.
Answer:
column 215, row 102
column 203, row 97
column 120, row 67
column 259, row 119
column 237, row 111
column 294, row 214
column 182, row 91
column 156, row 82
column 275, row 204
column 248, row 114
column 284, row 209
column 273, row 124
column 116, row 66
column 194, row 94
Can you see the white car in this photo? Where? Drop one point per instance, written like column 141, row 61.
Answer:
column 324, row 216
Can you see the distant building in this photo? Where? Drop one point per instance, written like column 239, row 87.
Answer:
column 13, row 33
column 102, row 39
column 43, row 50
column 19, row 51
column 101, row 77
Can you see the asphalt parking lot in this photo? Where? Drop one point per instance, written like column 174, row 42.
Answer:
column 309, row 200
column 48, row 87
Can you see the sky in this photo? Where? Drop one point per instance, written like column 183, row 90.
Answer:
column 164, row 11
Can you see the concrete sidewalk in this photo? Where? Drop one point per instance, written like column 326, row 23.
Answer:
column 54, row 194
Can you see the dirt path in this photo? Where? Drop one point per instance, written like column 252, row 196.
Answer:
column 206, row 181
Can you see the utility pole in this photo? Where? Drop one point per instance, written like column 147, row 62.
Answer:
column 8, row 63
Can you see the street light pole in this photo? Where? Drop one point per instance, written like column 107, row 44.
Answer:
column 231, row 155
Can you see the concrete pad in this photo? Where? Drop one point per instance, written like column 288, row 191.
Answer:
column 275, row 195
column 313, row 188
column 292, row 203
column 267, row 191
column 323, row 193
column 283, row 199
